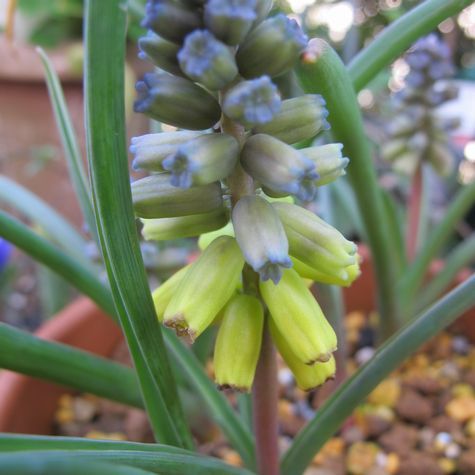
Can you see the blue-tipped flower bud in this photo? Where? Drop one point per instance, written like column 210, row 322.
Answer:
column 184, row 226
column 307, row 377
column 238, row 343
column 261, row 237
column 205, row 288
column 252, row 102
column 279, row 167
column 329, row 161
column 316, row 243
column 176, row 101
column 151, row 149
column 299, row 319
column 160, row 52
column 154, row 197
column 300, row 118
column 203, row 160
column 171, row 19
column 271, row 48
column 230, row 20
column 206, row 60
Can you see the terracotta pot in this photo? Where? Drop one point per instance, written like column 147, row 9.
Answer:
column 27, row 405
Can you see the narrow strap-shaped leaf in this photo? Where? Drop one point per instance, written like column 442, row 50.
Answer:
column 68, row 138
column 66, row 266
column 40, row 213
column 414, row 276
column 398, row 36
column 322, row 72
column 391, row 354
column 105, row 129
column 26, row 464
column 62, row 364
column 233, row 427
column 463, row 255
column 159, row 462
column 84, row 280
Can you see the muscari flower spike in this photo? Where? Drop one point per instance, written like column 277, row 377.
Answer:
column 206, row 60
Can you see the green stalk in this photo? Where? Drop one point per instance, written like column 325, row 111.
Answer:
column 391, row 354
column 105, row 24
column 414, row 276
column 321, row 71
column 462, row 256
column 68, row 267
column 62, row 364
column 399, row 36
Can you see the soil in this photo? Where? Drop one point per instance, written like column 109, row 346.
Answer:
column 420, row 420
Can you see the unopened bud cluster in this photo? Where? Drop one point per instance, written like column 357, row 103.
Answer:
column 217, row 62
column 417, row 134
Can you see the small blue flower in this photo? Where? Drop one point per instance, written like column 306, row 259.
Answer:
column 5, row 252
column 206, row 60
column 253, row 102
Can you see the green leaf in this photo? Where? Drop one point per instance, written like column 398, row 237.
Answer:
column 342, row 403
column 322, row 72
column 62, row 364
column 70, row 268
column 68, row 138
column 463, row 255
column 105, row 24
column 399, row 36
column 40, row 213
column 160, row 462
column 414, row 276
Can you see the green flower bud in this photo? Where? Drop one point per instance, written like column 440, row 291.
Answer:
column 207, row 238
column 329, row 162
column 176, row 101
column 151, row 149
column 206, row 60
column 160, row 52
column 392, row 149
column 298, row 318
column 238, row 343
column 203, row 160
column 205, row 289
column 300, row 118
column 279, row 167
column 307, row 377
column 252, row 102
column 230, row 20
column 162, row 295
column 315, row 242
column 154, row 197
column 263, row 7
column 307, row 272
column 171, row 19
column 261, row 237
column 183, row 226
column 271, row 48
column 441, row 158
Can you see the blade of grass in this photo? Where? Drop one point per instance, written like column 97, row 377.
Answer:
column 68, row 138
column 68, row 267
column 414, row 276
column 156, row 462
column 36, row 210
column 322, row 72
column 462, row 256
column 399, row 36
column 62, row 364
column 84, row 280
column 391, row 354
column 105, row 131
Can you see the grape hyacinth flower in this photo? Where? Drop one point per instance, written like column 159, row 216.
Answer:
column 217, row 176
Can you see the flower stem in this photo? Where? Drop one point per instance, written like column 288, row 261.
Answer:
column 414, row 213
column 265, row 399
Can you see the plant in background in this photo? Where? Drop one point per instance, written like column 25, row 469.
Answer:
column 231, row 175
